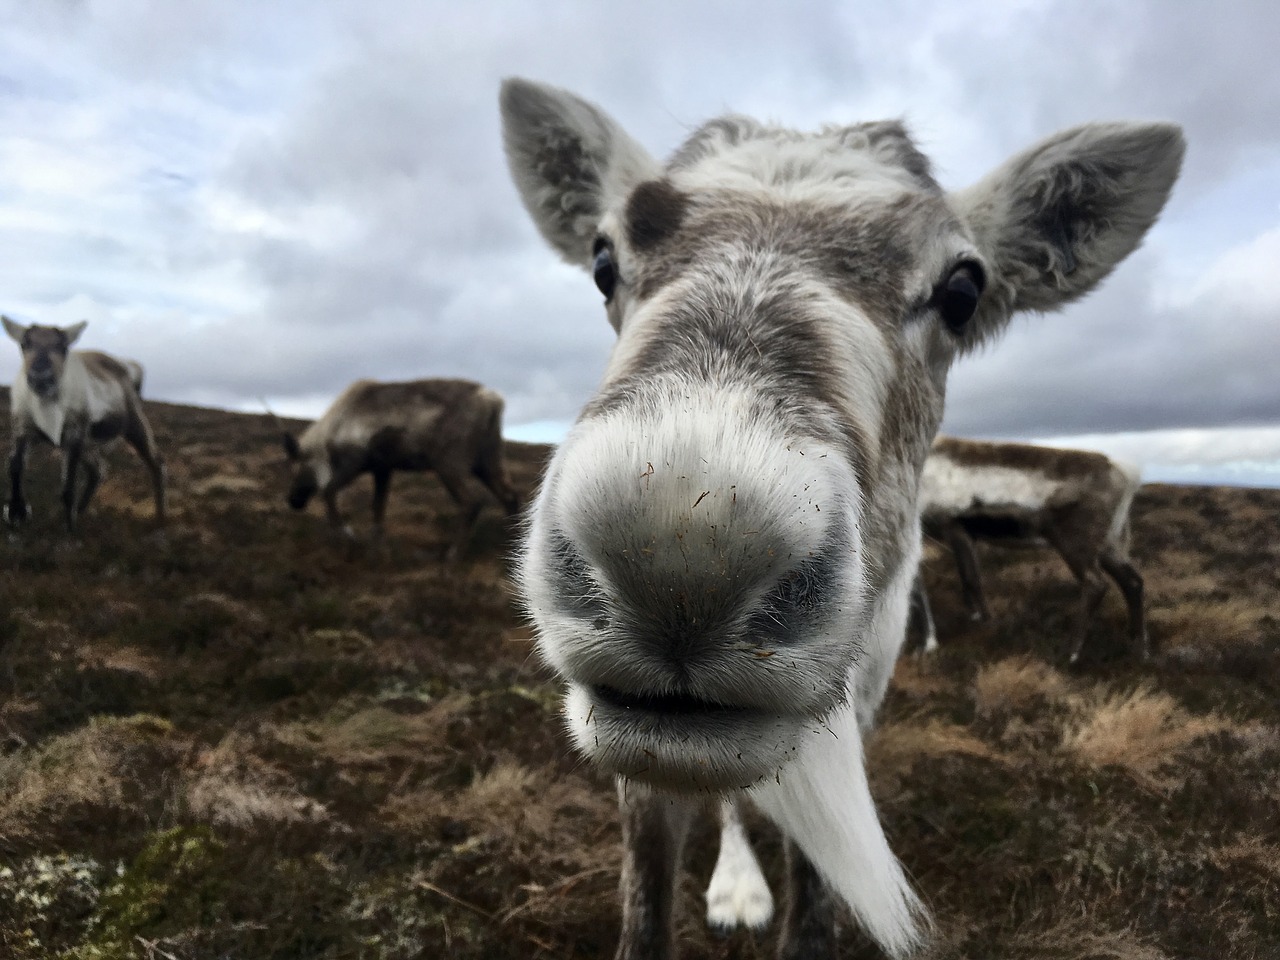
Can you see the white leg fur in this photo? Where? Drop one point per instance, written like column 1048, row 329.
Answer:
column 738, row 894
column 823, row 803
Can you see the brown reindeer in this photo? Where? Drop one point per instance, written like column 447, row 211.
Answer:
column 453, row 427
column 1016, row 494
column 78, row 401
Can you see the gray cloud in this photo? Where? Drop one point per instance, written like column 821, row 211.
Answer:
column 295, row 195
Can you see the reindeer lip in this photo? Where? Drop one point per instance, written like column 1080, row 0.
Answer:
column 679, row 742
column 667, row 704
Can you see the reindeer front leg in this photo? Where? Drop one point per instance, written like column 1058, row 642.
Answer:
column 809, row 919
column 970, row 575
column 381, row 488
column 653, row 834
column 16, row 510
column 71, row 454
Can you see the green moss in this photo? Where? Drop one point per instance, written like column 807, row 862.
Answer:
column 174, row 883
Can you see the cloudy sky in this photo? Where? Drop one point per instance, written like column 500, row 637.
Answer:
column 270, row 199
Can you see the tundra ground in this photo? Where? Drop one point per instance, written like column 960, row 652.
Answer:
column 246, row 738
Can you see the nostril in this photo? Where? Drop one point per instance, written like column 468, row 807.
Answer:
column 600, row 623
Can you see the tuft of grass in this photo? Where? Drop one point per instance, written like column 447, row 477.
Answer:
column 106, row 768
column 1139, row 731
column 896, row 747
column 229, row 786
column 1015, row 684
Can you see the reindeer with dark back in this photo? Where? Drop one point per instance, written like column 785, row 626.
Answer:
column 78, row 401
column 452, row 427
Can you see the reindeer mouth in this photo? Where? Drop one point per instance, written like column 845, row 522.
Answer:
column 43, row 385
column 679, row 742
column 665, row 704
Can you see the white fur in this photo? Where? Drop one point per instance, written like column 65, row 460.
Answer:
column 47, row 415
column 951, row 488
column 1119, row 531
column 824, row 805
column 78, row 391
column 811, row 169
column 738, row 894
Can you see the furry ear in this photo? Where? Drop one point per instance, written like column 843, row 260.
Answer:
column 73, row 332
column 1056, row 219
column 569, row 160
column 14, row 329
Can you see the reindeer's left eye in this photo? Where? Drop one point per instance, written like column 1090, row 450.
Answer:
column 957, row 299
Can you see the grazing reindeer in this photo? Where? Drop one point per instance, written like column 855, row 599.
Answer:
column 77, row 400
column 453, row 427
column 720, row 557
column 1018, row 494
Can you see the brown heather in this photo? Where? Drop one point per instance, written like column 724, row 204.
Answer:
column 247, row 739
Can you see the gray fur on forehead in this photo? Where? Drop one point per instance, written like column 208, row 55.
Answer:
column 886, row 140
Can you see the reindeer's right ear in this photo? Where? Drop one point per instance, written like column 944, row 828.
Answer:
column 291, row 448
column 14, row 329
column 570, row 161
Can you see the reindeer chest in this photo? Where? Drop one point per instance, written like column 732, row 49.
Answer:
column 49, row 418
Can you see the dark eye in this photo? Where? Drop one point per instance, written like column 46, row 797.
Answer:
column 957, row 299
column 604, row 272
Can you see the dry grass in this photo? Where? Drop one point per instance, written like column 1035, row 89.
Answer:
column 231, row 786
column 1016, row 684
column 894, row 749
column 1196, row 627
column 96, row 768
column 1140, row 731
column 243, row 739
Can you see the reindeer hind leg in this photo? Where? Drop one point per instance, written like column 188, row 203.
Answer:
column 1127, row 578
column 138, row 434
column 94, row 470
column 465, row 491
column 492, row 472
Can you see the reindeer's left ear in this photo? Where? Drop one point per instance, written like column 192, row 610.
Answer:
column 14, row 329
column 1055, row 220
column 72, row 333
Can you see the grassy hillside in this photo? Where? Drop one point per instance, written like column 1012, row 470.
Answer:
column 243, row 738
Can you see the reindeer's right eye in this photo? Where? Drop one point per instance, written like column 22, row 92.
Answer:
column 603, row 270
column 957, row 299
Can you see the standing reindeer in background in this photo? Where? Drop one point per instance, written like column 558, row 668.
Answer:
column 1016, row 494
column 721, row 554
column 78, row 401
column 453, row 427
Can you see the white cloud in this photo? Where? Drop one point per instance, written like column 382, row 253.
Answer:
column 1238, row 455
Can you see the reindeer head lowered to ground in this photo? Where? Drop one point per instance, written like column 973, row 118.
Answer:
column 720, row 557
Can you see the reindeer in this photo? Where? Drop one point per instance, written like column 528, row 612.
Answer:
column 1017, row 494
column 78, row 401
column 720, row 557
column 453, row 427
